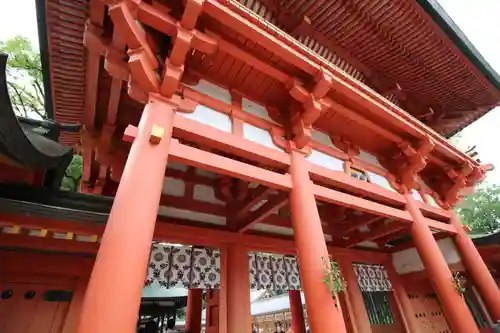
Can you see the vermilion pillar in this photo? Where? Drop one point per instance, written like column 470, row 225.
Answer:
column 457, row 314
column 193, row 311
column 477, row 269
column 322, row 313
column 115, row 288
column 298, row 322
column 403, row 301
column 239, row 319
column 355, row 301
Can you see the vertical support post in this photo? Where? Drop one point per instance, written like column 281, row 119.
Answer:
column 73, row 315
column 239, row 319
column 355, row 301
column 115, row 288
column 402, row 300
column 222, row 324
column 477, row 269
column 322, row 311
column 457, row 314
column 298, row 322
column 193, row 311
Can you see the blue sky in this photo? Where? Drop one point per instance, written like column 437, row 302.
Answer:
column 479, row 20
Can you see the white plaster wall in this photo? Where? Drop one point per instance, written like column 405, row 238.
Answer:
column 369, row 158
column 190, row 215
column 213, row 90
column 322, row 138
column 173, row 186
column 210, row 117
column 379, row 180
column 408, row 260
column 258, row 135
column 255, row 108
column 206, row 194
column 325, row 160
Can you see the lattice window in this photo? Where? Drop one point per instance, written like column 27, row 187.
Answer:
column 378, row 307
column 375, row 288
column 475, row 309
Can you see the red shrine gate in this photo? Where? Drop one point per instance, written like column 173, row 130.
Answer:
column 310, row 151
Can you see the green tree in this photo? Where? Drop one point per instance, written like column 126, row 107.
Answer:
column 73, row 175
column 25, row 77
column 480, row 211
column 25, row 84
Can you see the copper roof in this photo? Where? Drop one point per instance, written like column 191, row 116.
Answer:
column 407, row 51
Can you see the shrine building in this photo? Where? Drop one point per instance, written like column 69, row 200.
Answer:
column 296, row 147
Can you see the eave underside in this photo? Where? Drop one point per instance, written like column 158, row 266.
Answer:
column 406, row 58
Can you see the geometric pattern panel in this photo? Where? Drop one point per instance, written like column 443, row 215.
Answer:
column 273, row 272
column 372, row 277
column 184, row 267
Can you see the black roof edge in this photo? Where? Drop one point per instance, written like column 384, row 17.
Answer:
column 485, row 240
column 451, row 29
column 43, row 42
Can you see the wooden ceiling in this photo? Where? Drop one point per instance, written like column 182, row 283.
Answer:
column 392, row 46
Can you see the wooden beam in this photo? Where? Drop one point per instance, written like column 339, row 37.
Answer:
column 191, row 178
column 388, row 238
column 446, row 228
column 256, row 195
column 41, row 264
column 30, row 222
column 192, row 205
column 196, row 132
column 251, row 26
column 338, row 198
column 372, row 235
column 269, row 208
column 344, row 181
column 226, row 166
column 358, row 222
column 47, row 244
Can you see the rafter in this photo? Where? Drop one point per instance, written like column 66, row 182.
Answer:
column 354, row 224
column 192, row 205
column 242, row 209
column 372, row 235
column 302, row 27
column 269, row 208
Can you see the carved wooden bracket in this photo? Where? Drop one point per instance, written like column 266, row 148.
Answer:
column 412, row 161
column 312, row 106
column 344, row 145
column 128, row 17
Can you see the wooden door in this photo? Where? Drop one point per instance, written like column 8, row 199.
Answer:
column 427, row 308
column 32, row 308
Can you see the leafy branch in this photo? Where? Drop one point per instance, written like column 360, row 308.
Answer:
column 333, row 278
column 460, row 282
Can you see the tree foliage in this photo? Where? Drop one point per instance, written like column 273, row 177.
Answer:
column 25, row 77
column 25, row 84
column 480, row 211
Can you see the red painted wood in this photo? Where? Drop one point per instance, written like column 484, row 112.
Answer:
column 119, row 286
column 312, row 251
